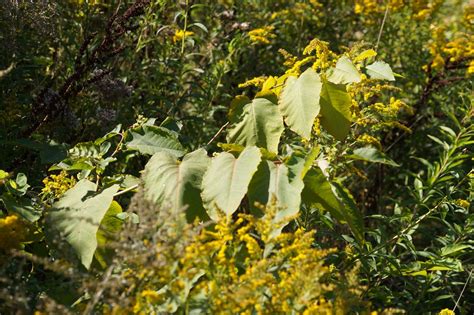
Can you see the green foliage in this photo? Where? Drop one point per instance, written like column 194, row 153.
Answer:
column 76, row 218
column 299, row 102
column 260, row 125
column 177, row 183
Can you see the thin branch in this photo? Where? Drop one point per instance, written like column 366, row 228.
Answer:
column 126, row 190
column 462, row 291
column 218, row 133
column 381, row 26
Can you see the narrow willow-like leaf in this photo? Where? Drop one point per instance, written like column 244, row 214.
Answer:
column 344, row 73
column 299, row 102
column 371, row 154
column 260, row 124
column 335, row 110
column 74, row 220
column 177, row 184
column 380, row 70
column 227, row 179
column 351, row 213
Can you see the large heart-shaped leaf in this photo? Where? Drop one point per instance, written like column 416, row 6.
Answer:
column 260, row 124
column 345, row 72
column 335, row 110
column 380, row 70
column 153, row 139
column 299, row 102
column 226, row 180
column 281, row 183
column 177, row 184
column 74, row 220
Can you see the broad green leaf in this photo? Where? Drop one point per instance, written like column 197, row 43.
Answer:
column 335, row 110
column 281, row 183
column 319, row 192
column 22, row 206
column 345, row 72
column 177, row 184
column 380, row 70
column 110, row 225
column 237, row 148
column 260, row 124
column 371, row 154
column 74, row 220
column 271, row 184
column 299, row 102
column 153, row 139
column 237, row 107
column 227, row 179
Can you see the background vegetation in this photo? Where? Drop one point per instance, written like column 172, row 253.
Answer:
column 253, row 156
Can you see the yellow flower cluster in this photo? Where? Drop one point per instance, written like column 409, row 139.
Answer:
column 325, row 58
column 307, row 10
column 456, row 50
column 463, row 203
column 13, row 232
column 242, row 267
column 421, row 9
column 446, row 311
column 262, row 35
column 391, row 109
column 179, row 35
column 257, row 81
column 57, row 185
column 368, row 139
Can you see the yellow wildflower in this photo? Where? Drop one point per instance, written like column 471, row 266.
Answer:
column 180, row 34
column 368, row 139
column 57, row 185
column 462, row 203
column 257, row 81
column 262, row 35
column 151, row 296
column 13, row 232
column 446, row 311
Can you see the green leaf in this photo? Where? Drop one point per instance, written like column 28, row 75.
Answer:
column 371, row 154
column 237, row 107
column 225, row 182
column 110, row 225
column 74, row 220
column 299, row 102
column 282, row 183
column 319, row 192
column 153, row 139
column 351, row 213
column 260, row 124
column 345, row 72
column 335, row 110
column 380, row 70
column 177, row 184
column 451, row 249
column 22, row 206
